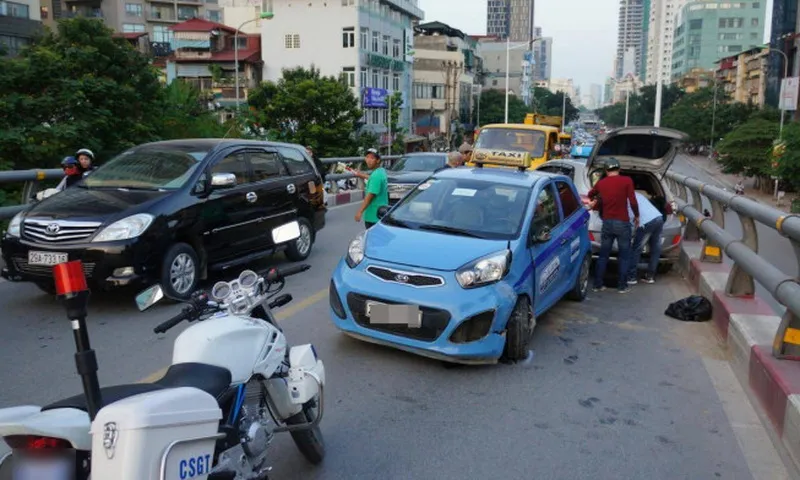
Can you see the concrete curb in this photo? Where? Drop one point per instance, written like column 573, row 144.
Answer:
column 348, row 196
column 749, row 325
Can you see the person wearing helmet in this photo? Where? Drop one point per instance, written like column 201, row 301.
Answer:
column 72, row 173
column 85, row 158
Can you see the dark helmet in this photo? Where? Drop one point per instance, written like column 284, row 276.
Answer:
column 69, row 162
column 84, row 151
column 612, row 164
column 374, row 152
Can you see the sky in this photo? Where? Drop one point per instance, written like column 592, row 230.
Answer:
column 584, row 32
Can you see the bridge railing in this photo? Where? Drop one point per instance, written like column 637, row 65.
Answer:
column 32, row 179
column 748, row 267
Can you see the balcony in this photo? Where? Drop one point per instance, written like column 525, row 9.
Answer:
column 84, row 12
column 192, row 55
column 164, row 15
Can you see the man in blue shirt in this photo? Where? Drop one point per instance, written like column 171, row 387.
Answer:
column 651, row 224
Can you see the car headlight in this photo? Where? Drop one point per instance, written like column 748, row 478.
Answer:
column 355, row 251
column 485, row 270
column 125, row 229
column 15, row 226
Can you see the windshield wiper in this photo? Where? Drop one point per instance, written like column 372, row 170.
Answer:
column 390, row 220
column 453, row 230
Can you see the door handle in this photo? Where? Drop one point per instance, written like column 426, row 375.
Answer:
column 291, row 188
column 251, row 197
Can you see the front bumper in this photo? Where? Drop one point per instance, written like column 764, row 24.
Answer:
column 444, row 309
column 100, row 261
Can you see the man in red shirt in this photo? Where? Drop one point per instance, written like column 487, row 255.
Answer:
column 616, row 192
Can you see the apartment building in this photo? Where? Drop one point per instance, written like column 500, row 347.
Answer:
column 493, row 52
column 743, row 77
column 510, row 18
column 369, row 42
column 20, row 20
column 446, row 64
column 660, row 32
column 696, row 79
column 708, row 30
column 783, row 38
column 630, row 37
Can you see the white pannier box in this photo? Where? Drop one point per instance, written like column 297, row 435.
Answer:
column 162, row 435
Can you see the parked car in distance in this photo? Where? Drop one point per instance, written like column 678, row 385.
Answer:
column 411, row 169
column 644, row 154
column 170, row 212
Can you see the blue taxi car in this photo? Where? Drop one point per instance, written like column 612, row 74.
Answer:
column 462, row 266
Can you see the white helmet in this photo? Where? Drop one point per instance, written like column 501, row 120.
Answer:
column 84, row 151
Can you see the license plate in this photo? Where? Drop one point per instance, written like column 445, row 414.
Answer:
column 43, row 469
column 396, row 195
column 46, row 258
column 381, row 313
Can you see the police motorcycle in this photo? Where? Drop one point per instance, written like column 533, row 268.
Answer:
column 233, row 384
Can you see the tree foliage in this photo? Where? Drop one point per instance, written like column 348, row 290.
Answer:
column 185, row 116
column 549, row 103
column 747, row 148
column 789, row 163
column 698, row 112
column 493, row 107
column 308, row 108
column 641, row 109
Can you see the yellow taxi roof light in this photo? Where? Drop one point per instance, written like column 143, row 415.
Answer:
column 506, row 158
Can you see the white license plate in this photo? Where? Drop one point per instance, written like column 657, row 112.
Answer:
column 384, row 314
column 396, row 195
column 46, row 258
column 43, row 469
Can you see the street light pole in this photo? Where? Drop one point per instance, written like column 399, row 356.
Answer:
column 785, row 75
column 659, row 63
column 563, row 109
column 508, row 66
column 713, row 120
column 263, row 15
column 627, row 104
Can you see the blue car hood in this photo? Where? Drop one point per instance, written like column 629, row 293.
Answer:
column 426, row 249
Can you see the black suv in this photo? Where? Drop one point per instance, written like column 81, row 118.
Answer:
column 169, row 212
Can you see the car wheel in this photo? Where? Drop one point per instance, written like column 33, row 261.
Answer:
column 664, row 268
column 300, row 249
column 180, row 271
column 47, row 287
column 581, row 287
column 519, row 330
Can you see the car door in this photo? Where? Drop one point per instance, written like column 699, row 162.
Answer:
column 230, row 214
column 308, row 195
column 274, row 191
column 546, row 248
column 573, row 218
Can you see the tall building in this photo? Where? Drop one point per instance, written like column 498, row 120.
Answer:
column 370, row 44
column 510, row 18
column 19, row 22
column 542, row 57
column 630, row 38
column 706, row 32
column 660, row 31
column 493, row 52
column 596, row 94
column 785, row 20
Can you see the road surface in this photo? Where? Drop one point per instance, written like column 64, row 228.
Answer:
column 615, row 390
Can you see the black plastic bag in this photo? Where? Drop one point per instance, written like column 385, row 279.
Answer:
column 690, row 309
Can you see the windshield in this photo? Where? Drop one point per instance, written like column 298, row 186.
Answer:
column 419, row 163
column 473, row 208
column 517, row 140
column 158, row 167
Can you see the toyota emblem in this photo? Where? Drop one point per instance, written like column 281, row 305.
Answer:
column 401, row 278
column 53, row 229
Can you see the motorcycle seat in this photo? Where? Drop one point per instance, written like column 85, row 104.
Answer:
column 208, row 378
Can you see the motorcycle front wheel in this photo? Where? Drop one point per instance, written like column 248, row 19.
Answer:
column 309, row 441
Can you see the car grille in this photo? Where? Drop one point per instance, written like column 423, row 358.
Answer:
column 405, row 278
column 434, row 320
column 58, row 231
column 22, row 266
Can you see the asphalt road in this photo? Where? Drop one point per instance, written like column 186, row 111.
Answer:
column 614, row 388
column 772, row 247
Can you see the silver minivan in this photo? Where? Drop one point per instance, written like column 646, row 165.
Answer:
column 645, row 154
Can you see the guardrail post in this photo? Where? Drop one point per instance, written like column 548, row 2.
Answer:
column 741, row 283
column 692, row 232
column 712, row 252
column 786, row 344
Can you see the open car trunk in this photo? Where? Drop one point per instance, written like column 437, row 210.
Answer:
column 645, row 149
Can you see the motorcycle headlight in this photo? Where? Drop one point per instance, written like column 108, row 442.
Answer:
column 355, row 251
column 485, row 270
column 125, row 229
column 15, row 226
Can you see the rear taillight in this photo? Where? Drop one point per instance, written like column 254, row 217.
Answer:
column 676, row 239
column 32, row 442
column 591, row 237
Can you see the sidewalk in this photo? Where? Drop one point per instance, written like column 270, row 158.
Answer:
column 728, row 181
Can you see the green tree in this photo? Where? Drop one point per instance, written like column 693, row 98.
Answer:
column 549, row 103
column 746, row 149
column 77, row 87
column 398, row 132
column 493, row 107
column 641, row 108
column 308, row 108
column 186, row 115
column 789, row 163
column 696, row 112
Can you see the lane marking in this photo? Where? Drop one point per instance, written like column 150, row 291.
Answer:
column 284, row 314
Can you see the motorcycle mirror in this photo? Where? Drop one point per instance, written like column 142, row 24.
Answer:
column 149, row 297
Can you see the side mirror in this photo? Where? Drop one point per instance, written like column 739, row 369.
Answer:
column 223, row 180
column 382, row 211
column 286, row 232
column 543, row 236
column 149, row 297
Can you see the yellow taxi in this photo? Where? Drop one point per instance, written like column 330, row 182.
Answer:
column 500, row 142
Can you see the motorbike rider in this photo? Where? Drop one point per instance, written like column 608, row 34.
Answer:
column 85, row 158
column 72, row 173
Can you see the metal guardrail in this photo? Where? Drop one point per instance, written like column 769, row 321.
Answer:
column 748, row 266
column 32, row 179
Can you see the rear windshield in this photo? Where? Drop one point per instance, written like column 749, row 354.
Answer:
column 650, row 147
column 513, row 139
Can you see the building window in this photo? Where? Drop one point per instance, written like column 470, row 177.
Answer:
column 375, row 118
column 132, row 28
column 186, row 13
column 756, row 5
column 396, row 82
column 348, row 3
column 375, row 81
column 731, row 22
column 364, row 38
column 385, row 45
column 11, row 9
column 291, row 40
column 385, row 85
column 162, row 33
column 348, row 37
column 12, row 45
column 214, row 16
column 44, row 12
column 349, row 76
column 753, row 22
column 266, row 6
column 375, row 37
column 133, row 9
column 396, row 48
column 363, row 77
column 696, row 24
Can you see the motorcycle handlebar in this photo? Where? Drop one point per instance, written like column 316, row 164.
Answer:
column 279, row 273
column 163, row 327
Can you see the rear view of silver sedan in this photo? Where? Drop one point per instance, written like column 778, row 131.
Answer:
column 645, row 154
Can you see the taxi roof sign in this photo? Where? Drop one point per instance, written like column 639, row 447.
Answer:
column 505, row 158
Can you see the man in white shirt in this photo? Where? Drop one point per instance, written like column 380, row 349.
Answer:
column 651, row 224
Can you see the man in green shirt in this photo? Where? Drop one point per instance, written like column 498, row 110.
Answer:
column 376, row 193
